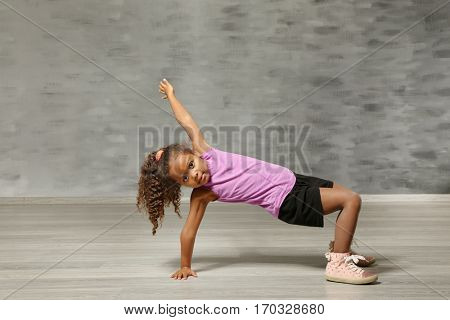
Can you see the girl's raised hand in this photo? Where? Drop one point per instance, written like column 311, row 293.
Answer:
column 183, row 273
column 166, row 88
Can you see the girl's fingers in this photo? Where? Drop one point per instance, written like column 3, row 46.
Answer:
column 183, row 276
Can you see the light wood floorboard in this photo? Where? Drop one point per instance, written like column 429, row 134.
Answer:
column 108, row 252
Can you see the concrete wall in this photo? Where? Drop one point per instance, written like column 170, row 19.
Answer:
column 77, row 79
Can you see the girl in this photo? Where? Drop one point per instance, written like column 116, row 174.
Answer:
column 229, row 177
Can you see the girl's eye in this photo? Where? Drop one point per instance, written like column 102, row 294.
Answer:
column 190, row 167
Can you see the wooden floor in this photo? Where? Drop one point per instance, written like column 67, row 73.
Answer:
column 241, row 252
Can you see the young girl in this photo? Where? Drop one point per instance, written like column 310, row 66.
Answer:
column 229, row 177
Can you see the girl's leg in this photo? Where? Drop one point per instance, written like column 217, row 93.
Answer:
column 349, row 202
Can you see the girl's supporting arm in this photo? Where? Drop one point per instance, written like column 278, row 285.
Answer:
column 197, row 209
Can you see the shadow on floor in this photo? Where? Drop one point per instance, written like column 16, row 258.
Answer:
column 310, row 260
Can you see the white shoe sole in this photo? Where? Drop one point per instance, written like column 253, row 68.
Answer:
column 353, row 281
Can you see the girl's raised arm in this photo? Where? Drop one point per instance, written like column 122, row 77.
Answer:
column 184, row 118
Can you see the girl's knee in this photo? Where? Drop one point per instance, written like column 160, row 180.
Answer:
column 353, row 199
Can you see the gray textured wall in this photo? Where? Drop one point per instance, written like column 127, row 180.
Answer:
column 70, row 109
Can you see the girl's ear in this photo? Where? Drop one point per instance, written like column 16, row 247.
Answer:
column 159, row 154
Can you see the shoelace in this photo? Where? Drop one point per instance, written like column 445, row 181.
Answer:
column 351, row 260
column 354, row 257
column 331, row 245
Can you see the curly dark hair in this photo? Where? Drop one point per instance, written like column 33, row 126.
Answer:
column 156, row 189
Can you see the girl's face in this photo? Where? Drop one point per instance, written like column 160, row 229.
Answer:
column 189, row 170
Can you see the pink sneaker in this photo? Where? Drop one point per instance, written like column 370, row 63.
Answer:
column 341, row 267
column 367, row 261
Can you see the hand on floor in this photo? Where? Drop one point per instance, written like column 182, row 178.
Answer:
column 183, row 273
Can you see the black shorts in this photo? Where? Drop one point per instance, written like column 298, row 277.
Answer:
column 302, row 205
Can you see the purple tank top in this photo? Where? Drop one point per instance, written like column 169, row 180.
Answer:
column 238, row 178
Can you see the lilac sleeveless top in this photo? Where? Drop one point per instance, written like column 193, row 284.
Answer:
column 238, row 178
